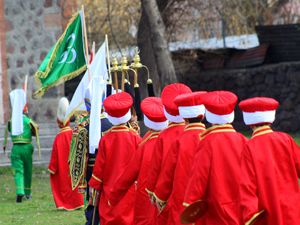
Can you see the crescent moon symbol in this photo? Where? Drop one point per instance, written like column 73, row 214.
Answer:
column 63, row 57
column 72, row 36
column 74, row 55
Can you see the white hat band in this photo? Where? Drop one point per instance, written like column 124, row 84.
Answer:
column 259, row 117
column 191, row 111
column 119, row 120
column 171, row 118
column 219, row 119
column 155, row 125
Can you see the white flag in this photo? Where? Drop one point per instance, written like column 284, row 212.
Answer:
column 77, row 102
column 99, row 74
column 18, row 101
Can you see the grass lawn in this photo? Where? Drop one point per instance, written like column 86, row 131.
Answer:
column 40, row 210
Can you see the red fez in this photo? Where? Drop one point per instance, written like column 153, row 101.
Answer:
column 153, row 108
column 220, row 102
column 190, row 99
column 220, row 106
column 169, row 93
column 190, row 105
column 258, row 110
column 118, row 105
column 154, row 117
column 258, row 104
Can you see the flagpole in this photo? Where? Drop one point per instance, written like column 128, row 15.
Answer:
column 94, row 49
column 108, row 58
column 25, row 84
column 85, row 41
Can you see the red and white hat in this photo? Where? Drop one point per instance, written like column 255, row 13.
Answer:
column 154, row 117
column 259, row 110
column 117, row 107
column 220, row 106
column 190, row 105
column 168, row 94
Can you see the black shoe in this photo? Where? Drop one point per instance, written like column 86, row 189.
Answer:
column 19, row 198
column 28, row 197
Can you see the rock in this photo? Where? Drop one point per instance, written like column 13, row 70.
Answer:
column 30, row 60
column 39, row 12
column 32, row 6
column 258, row 79
column 279, row 77
column 294, row 125
column 269, row 79
column 43, row 55
column 48, row 3
column 20, row 63
column 23, row 49
column 285, row 126
column 10, row 48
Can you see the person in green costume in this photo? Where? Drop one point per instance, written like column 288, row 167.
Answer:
column 21, row 128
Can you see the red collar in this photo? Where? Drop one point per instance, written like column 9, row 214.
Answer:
column 172, row 124
column 262, row 130
column 151, row 134
column 119, row 128
column 195, row 126
column 64, row 129
column 217, row 129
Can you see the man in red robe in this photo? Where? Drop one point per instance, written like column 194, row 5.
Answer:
column 116, row 149
column 64, row 196
column 167, row 138
column 270, row 168
column 216, row 168
column 155, row 120
column 173, row 181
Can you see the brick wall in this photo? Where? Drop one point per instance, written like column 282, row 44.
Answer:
column 3, row 72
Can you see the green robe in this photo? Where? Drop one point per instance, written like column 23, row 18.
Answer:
column 21, row 155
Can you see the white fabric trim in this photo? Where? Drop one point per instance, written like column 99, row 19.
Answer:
column 174, row 119
column 18, row 101
column 219, row 119
column 259, row 117
column 119, row 120
column 191, row 111
column 155, row 125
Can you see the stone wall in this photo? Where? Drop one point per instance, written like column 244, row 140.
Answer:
column 280, row 81
column 32, row 27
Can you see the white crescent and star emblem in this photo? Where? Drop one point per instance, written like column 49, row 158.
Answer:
column 65, row 54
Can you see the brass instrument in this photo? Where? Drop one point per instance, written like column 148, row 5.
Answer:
column 125, row 71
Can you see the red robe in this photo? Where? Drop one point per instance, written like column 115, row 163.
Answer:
column 216, row 175
column 60, row 180
column 116, row 149
column 166, row 139
column 271, row 168
column 144, row 211
column 182, row 162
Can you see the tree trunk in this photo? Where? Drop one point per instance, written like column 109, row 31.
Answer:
column 155, row 49
column 147, row 56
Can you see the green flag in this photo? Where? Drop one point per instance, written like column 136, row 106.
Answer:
column 65, row 60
